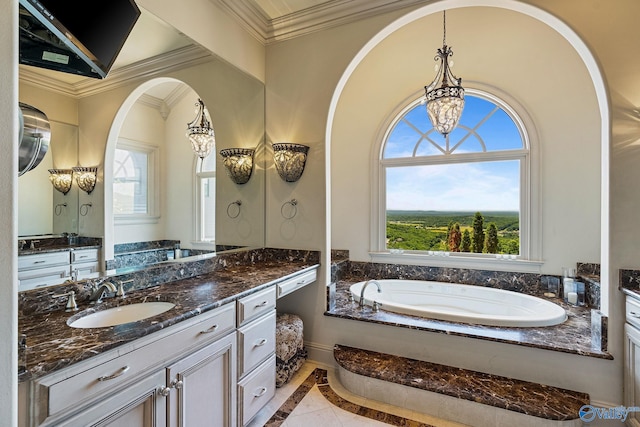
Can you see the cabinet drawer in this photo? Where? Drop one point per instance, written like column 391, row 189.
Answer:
column 256, row 342
column 84, row 255
column 255, row 305
column 40, row 277
column 27, row 262
column 86, row 269
column 297, row 282
column 632, row 311
column 256, row 390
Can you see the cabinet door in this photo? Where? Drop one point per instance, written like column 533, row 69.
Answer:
column 632, row 373
column 139, row 405
column 203, row 389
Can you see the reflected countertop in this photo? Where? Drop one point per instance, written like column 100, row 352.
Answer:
column 52, row 345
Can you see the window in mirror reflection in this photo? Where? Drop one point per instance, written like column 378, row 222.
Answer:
column 134, row 180
column 206, row 200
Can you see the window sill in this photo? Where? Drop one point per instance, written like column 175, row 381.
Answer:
column 473, row 261
column 135, row 219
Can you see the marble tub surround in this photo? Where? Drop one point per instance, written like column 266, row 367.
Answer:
column 52, row 345
column 573, row 336
column 528, row 283
column 536, row 400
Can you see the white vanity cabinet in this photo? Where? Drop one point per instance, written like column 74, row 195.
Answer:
column 86, row 262
column 39, row 270
column 632, row 359
column 256, row 353
column 159, row 380
column 52, row 268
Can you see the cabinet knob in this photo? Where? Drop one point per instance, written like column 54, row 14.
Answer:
column 164, row 391
column 177, row 384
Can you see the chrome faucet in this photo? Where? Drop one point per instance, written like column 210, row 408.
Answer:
column 365, row 287
column 101, row 290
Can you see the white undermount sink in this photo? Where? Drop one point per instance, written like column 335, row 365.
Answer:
column 121, row 315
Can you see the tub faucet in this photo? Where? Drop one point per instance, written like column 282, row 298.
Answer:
column 101, row 290
column 365, row 287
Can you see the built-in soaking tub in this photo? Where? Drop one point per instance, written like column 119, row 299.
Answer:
column 461, row 303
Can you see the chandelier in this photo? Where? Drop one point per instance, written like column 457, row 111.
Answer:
column 444, row 102
column 200, row 132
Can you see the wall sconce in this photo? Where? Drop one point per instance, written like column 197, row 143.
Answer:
column 290, row 160
column 61, row 179
column 86, row 177
column 239, row 163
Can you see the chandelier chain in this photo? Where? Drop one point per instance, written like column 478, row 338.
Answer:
column 444, row 28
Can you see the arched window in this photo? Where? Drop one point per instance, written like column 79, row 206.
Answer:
column 206, row 199
column 466, row 194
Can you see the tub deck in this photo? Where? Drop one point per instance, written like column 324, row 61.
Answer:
column 580, row 334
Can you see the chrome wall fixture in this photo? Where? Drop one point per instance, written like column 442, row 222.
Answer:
column 445, row 102
column 200, row 131
column 239, row 163
column 86, row 177
column 290, row 160
column 230, row 210
column 61, row 179
column 293, row 209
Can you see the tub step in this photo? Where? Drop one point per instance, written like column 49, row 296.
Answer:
column 536, row 400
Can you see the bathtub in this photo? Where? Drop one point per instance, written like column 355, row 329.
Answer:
column 461, row 303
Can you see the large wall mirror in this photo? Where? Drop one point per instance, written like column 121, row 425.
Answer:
column 42, row 210
column 151, row 116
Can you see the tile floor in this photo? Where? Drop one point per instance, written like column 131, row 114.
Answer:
column 302, row 403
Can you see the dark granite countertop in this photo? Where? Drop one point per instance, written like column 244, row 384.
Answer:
column 52, row 345
column 573, row 336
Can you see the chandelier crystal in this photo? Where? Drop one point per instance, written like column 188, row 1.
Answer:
column 446, row 101
column 200, row 132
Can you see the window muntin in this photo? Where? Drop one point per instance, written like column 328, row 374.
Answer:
column 482, row 166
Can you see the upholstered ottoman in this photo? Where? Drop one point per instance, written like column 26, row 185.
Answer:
column 290, row 351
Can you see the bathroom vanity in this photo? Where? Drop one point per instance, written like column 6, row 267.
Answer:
column 211, row 357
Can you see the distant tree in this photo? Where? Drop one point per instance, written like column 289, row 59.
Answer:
column 455, row 237
column 477, row 240
column 466, row 241
column 491, row 245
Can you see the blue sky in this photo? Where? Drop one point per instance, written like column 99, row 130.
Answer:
column 478, row 186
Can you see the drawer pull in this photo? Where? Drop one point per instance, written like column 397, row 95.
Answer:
column 260, row 392
column 634, row 314
column 301, row 282
column 116, row 375
column 262, row 304
column 211, row 329
column 40, row 262
column 260, row 343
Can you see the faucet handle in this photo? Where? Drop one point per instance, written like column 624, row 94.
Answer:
column 71, row 302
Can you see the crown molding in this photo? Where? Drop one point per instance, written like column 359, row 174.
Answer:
column 329, row 14
column 143, row 70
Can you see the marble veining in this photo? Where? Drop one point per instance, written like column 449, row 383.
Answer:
column 52, row 345
column 525, row 397
column 57, row 244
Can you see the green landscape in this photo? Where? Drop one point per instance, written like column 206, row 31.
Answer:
column 494, row 232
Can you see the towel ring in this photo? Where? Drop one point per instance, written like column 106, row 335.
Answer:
column 294, row 208
column 59, row 208
column 237, row 203
column 84, row 208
